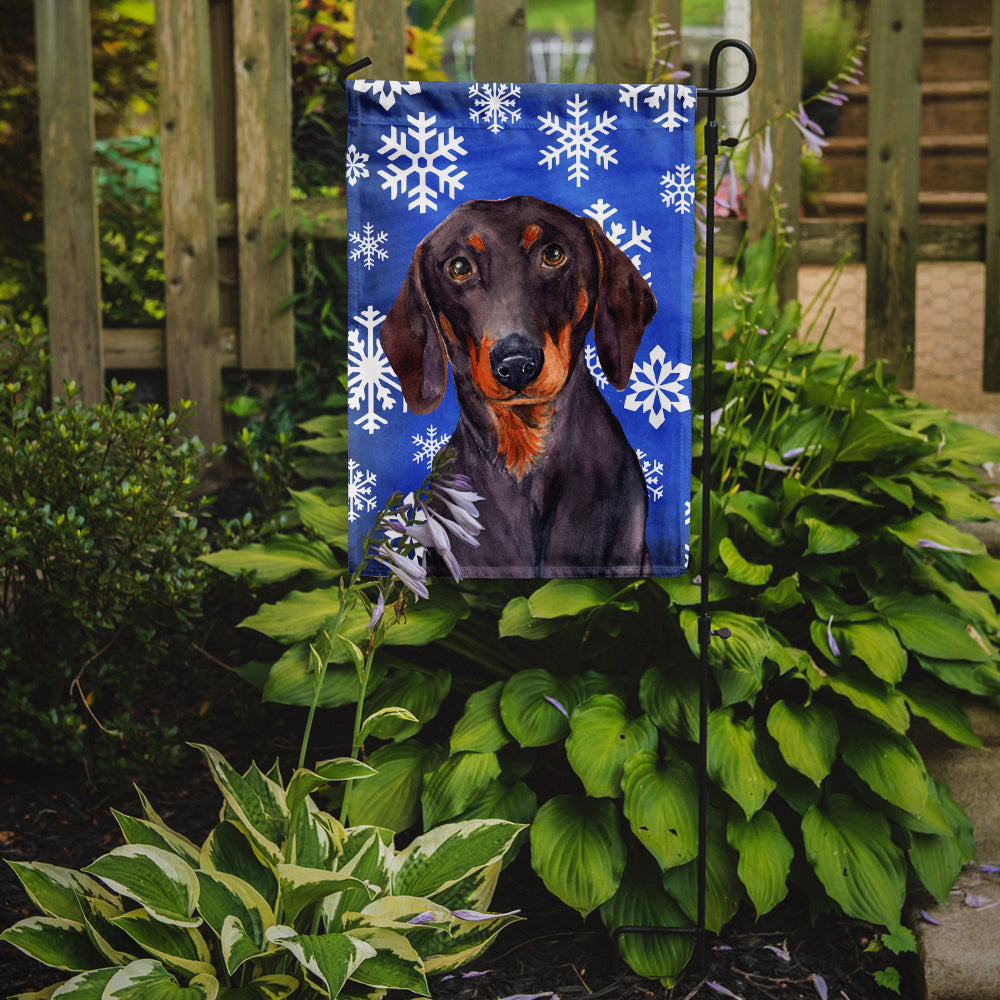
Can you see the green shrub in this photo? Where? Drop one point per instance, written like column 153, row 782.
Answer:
column 99, row 541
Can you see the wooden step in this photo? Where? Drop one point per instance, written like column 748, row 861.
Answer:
column 956, row 53
column 957, row 206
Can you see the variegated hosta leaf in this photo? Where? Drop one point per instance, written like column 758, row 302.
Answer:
column 441, row 857
column 225, row 897
column 54, row 941
column 177, row 947
column 275, row 987
column 765, row 858
column 642, row 902
column 850, row 847
column 230, row 849
column 807, row 736
column 481, row 727
column 732, row 760
column 99, row 915
column 661, row 799
column 535, row 706
column 578, row 851
column 86, row 986
column 456, row 784
column 141, row 831
column 328, row 959
column 466, row 941
column 315, row 838
column 158, row 880
column 56, row 891
column 395, row 964
column 602, row 737
column 147, row 979
column 367, row 853
column 301, row 887
column 304, row 782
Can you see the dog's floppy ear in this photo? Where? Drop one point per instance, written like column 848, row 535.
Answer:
column 412, row 342
column 625, row 306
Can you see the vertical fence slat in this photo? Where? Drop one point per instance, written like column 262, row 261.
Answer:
column 621, row 41
column 776, row 35
column 380, row 34
column 190, row 253
column 72, row 256
column 261, row 57
column 991, row 333
column 501, row 41
column 893, row 183
column 667, row 13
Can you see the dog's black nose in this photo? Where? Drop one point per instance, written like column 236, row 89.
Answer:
column 515, row 361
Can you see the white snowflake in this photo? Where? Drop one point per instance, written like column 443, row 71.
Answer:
column 367, row 246
column 370, row 379
column 577, row 139
column 428, row 445
column 678, row 186
column 600, row 211
column 422, row 162
column 594, row 366
column 360, row 490
column 657, row 387
column 653, row 95
column 651, row 471
column 357, row 165
column 385, row 90
column 493, row 104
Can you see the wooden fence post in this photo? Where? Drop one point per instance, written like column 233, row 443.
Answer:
column 190, row 251
column 501, row 41
column 72, row 254
column 262, row 61
column 621, row 41
column 776, row 35
column 380, row 34
column 893, row 183
column 991, row 333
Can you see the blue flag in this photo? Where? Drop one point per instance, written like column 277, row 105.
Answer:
column 520, row 269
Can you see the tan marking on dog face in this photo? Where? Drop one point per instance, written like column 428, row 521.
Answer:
column 531, row 233
column 446, row 328
column 476, row 242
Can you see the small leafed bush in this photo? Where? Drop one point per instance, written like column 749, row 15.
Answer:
column 99, row 574
column 280, row 899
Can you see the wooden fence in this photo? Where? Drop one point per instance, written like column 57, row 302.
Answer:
column 226, row 161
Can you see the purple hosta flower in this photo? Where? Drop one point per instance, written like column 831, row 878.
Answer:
column 729, row 195
column 377, row 612
column 820, row 983
column 834, row 648
column 410, row 571
column 760, row 165
column 475, row 915
column 782, row 953
column 427, row 917
column 927, row 543
column 719, row 988
column 558, row 705
column 812, row 134
column 989, row 869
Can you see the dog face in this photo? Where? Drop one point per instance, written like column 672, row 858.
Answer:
column 507, row 291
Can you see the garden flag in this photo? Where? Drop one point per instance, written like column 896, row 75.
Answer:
column 520, row 269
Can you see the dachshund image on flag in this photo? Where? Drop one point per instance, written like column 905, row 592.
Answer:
column 506, row 292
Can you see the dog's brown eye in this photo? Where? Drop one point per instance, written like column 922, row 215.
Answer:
column 460, row 269
column 553, row 256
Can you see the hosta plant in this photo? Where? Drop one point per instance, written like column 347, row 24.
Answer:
column 279, row 900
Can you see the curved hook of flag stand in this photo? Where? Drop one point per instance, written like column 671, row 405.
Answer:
column 705, row 631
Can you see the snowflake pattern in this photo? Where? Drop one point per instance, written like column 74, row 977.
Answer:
column 600, row 211
column 651, row 471
column 368, row 246
column 357, row 165
column 678, row 188
column 653, row 96
column 371, row 382
column 493, row 104
column 594, row 366
column 360, row 490
column 428, row 445
column 422, row 162
column 657, row 387
column 577, row 138
column 386, row 90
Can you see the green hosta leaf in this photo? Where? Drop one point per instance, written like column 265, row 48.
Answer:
column 275, row 987
column 602, row 738
column 517, row 620
column 732, row 760
column 870, row 436
column 976, row 678
column 738, row 569
column 141, row 831
column 535, row 706
column 301, row 887
column 54, row 941
column 864, row 691
column 965, row 443
column 941, row 709
column 931, row 628
column 641, row 901
column 395, row 964
column 957, row 501
column 391, row 798
column 516, row 803
column 225, row 897
column 765, row 858
column 928, row 528
column 888, row 763
column 456, row 784
column 893, row 488
column 723, row 889
column 56, row 891
column 828, row 539
column 986, row 571
column 738, row 661
column 876, row 646
column 279, row 558
column 180, row 948
column 299, row 615
column 937, row 859
column 807, row 736
column 783, row 595
column 560, row 598
column 327, row 520
column 975, row 605
column 758, row 511
column 387, row 723
column 291, row 680
column 661, row 798
column 147, row 979
column 438, row 859
column 159, row 881
column 850, row 848
column 481, row 728
column 418, row 691
column 671, row 700
column 230, row 849
column 330, row 959
column 578, row 851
